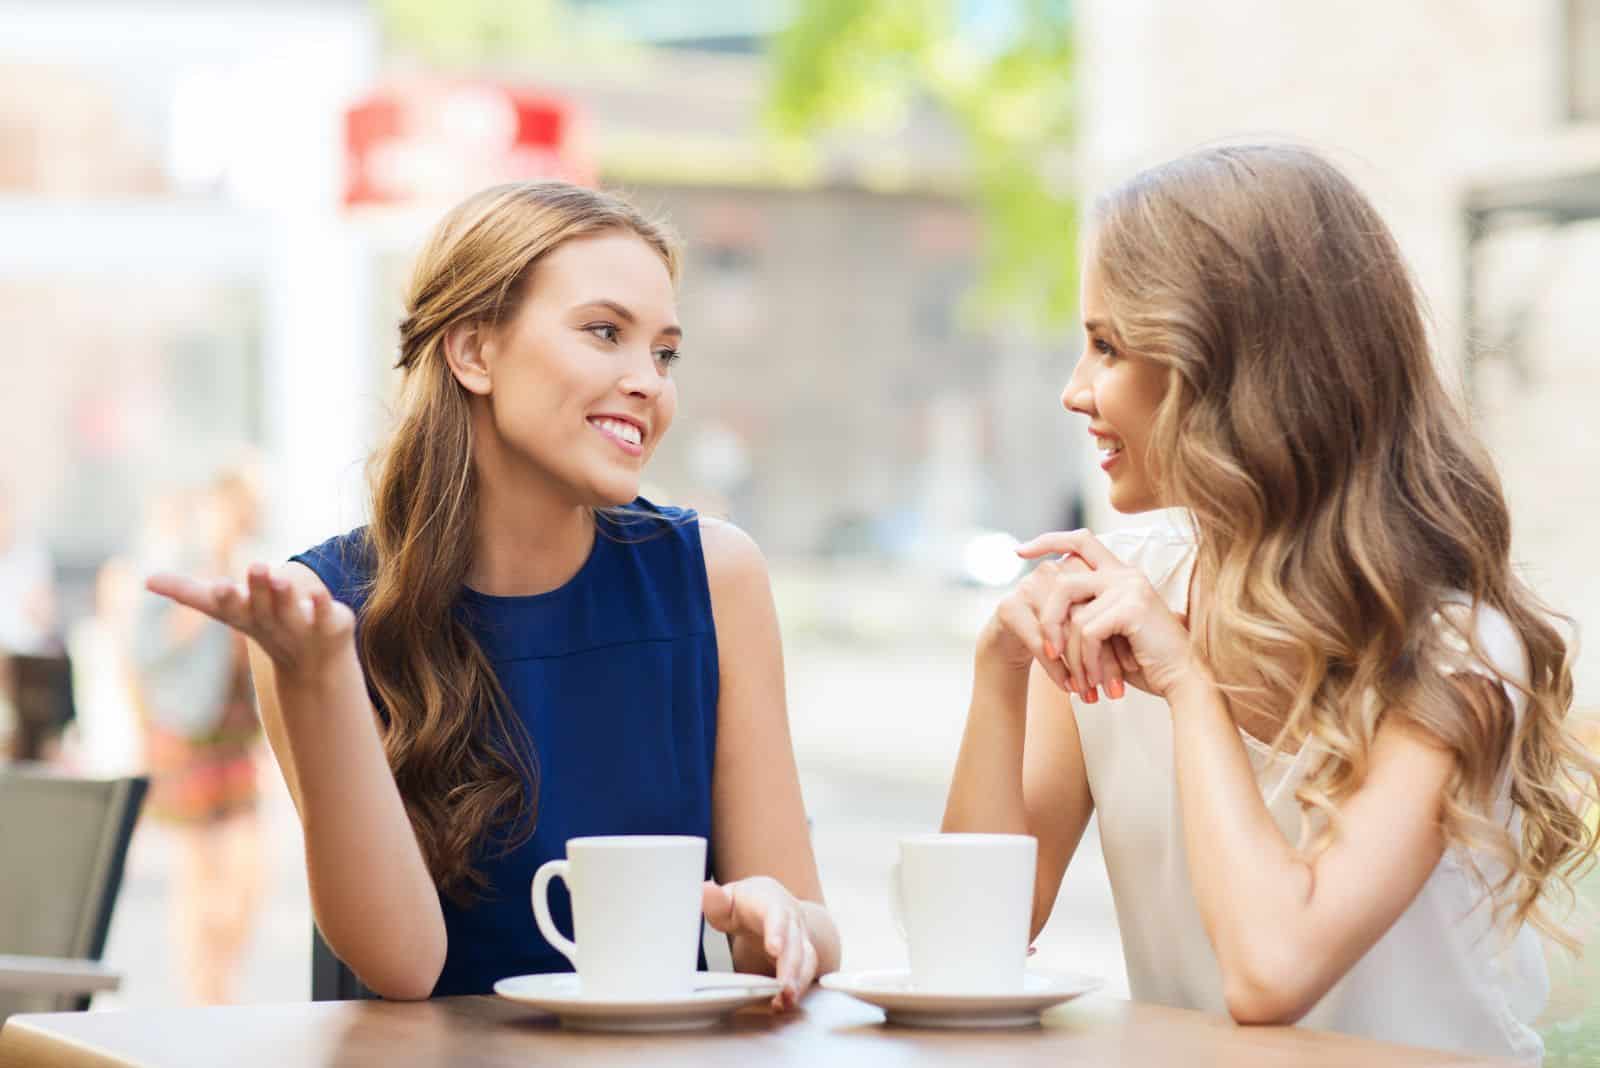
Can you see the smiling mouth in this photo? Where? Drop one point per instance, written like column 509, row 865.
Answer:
column 620, row 431
column 1108, row 449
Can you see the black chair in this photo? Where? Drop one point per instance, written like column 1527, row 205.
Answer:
column 331, row 980
column 63, row 842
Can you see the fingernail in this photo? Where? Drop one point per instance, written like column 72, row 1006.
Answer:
column 1092, row 695
column 1050, row 651
column 1116, row 689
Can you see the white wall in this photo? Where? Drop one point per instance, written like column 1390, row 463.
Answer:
column 1410, row 98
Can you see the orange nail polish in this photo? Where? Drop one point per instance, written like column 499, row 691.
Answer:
column 1116, row 689
column 1049, row 650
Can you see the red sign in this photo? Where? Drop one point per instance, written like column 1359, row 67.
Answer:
column 430, row 141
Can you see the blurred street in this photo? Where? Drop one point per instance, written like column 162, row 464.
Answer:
column 876, row 731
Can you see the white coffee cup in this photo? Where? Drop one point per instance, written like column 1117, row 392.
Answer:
column 964, row 903
column 635, row 912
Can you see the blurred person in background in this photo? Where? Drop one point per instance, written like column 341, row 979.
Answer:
column 27, row 612
column 1335, row 783
column 201, row 732
column 542, row 653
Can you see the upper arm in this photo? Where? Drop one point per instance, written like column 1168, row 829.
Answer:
column 1391, row 836
column 304, row 582
column 1389, row 842
column 758, row 819
column 1055, row 787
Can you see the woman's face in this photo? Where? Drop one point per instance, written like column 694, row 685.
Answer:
column 1118, row 392
column 578, row 381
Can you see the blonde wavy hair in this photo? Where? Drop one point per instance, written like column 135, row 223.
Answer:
column 1339, row 498
column 466, row 768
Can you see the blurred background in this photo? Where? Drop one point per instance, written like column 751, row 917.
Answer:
column 207, row 208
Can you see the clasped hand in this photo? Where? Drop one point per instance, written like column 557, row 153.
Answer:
column 1090, row 621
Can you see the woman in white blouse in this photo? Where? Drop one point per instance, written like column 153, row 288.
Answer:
column 1330, row 764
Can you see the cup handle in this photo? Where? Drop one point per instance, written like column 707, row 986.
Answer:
column 897, row 901
column 551, row 869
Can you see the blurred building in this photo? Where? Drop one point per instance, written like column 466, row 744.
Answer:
column 1476, row 127
column 176, row 280
column 192, row 262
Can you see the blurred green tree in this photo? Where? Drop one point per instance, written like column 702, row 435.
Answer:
column 469, row 32
column 1001, row 72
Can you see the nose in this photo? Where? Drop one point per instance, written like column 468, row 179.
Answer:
column 1078, row 394
column 643, row 379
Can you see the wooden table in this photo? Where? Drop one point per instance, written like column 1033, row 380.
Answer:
column 830, row 1030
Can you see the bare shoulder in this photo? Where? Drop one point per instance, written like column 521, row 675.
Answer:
column 734, row 562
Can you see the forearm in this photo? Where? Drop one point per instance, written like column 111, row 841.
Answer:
column 986, row 792
column 365, row 870
column 1252, row 888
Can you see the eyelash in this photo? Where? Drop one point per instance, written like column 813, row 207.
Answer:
column 666, row 356
column 1104, row 348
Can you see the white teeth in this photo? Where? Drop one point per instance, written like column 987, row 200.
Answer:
column 1108, row 448
column 618, row 429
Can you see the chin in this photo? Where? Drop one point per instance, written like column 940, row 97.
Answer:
column 613, row 493
column 1132, row 504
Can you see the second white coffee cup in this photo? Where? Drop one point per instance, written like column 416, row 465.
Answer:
column 964, row 903
column 635, row 912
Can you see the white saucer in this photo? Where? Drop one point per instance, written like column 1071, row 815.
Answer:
column 715, row 995
column 893, row 992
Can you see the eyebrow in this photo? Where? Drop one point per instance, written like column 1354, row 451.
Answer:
column 627, row 316
column 1095, row 326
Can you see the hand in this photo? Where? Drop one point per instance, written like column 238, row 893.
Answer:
column 1108, row 603
column 301, row 634
column 1033, row 624
column 760, row 911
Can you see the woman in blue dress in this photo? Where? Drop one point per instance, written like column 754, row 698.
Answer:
column 518, row 649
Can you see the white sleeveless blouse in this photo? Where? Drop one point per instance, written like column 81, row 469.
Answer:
column 1441, row 977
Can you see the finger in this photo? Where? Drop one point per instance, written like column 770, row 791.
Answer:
column 1074, row 656
column 1111, row 669
column 288, row 609
column 788, row 965
column 1126, row 661
column 1105, row 621
column 1056, row 607
column 1021, row 621
column 191, row 593
column 233, row 604
column 319, row 606
column 774, row 935
column 1089, row 649
column 263, row 608
column 1080, row 543
column 716, row 902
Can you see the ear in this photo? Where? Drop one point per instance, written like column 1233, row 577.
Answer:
column 466, row 348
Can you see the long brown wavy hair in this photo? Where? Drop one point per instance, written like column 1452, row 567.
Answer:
column 466, row 768
column 1339, row 497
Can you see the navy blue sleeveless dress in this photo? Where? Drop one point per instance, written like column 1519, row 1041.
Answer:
column 614, row 676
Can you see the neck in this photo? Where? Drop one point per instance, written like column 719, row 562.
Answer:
column 530, row 537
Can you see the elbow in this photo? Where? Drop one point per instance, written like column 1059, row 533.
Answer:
column 407, row 976
column 411, row 981
column 402, row 988
column 1270, row 989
